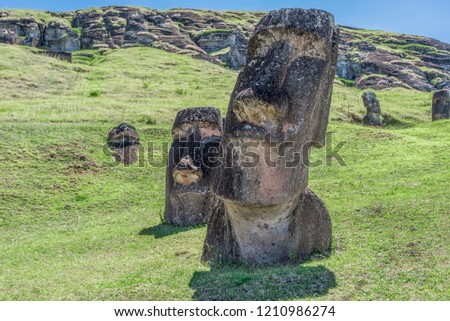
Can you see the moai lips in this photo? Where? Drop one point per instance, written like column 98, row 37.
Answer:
column 278, row 109
column 441, row 104
column 196, row 132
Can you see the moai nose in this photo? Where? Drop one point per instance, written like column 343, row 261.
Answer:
column 186, row 173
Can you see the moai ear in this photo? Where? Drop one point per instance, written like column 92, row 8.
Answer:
column 321, row 113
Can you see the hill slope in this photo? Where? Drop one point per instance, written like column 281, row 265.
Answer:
column 367, row 58
column 73, row 226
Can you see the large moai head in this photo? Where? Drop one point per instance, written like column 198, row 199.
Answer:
column 279, row 105
column 373, row 109
column 441, row 104
column 278, row 109
column 196, row 133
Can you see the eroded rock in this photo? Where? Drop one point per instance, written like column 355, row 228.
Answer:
column 281, row 99
column 59, row 37
column 373, row 115
column 441, row 105
column 123, row 140
column 197, row 133
column 21, row 31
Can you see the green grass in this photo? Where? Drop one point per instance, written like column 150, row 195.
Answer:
column 75, row 226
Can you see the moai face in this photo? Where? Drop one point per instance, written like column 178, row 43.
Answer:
column 196, row 133
column 373, row 115
column 371, row 102
column 279, row 107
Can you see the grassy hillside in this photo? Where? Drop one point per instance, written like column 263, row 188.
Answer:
column 74, row 226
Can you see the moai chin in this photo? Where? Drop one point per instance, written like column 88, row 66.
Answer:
column 441, row 105
column 196, row 133
column 123, row 140
column 373, row 109
column 278, row 109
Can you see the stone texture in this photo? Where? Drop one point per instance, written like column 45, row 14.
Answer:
column 21, row 31
column 281, row 99
column 123, row 140
column 384, row 60
column 441, row 105
column 59, row 37
column 373, row 115
column 197, row 133
column 371, row 59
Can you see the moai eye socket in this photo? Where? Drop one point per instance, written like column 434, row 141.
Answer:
column 210, row 152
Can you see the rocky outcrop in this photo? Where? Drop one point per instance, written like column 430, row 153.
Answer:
column 21, row 31
column 59, row 37
column 378, row 60
column 367, row 58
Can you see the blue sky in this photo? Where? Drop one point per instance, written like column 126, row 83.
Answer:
column 426, row 18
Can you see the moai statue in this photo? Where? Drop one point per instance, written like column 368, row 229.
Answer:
column 441, row 104
column 372, row 105
column 197, row 133
column 278, row 109
column 123, row 140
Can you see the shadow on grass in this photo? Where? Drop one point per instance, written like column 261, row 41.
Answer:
column 163, row 230
column 260, row 284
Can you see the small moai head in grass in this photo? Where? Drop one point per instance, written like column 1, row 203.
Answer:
column 197, row 134
column 123, row 140
column 373, row 109
column 441, row 104
column 278, row 109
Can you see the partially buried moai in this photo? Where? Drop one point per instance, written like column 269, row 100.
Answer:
column 373, row 114
column 197, row 133
column 123, row 140
column 441, row 104
column 278, row 109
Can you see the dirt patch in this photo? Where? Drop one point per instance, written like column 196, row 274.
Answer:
column 74, row 158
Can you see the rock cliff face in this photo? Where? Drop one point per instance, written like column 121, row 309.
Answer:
column 375, row 59
column 367, row 58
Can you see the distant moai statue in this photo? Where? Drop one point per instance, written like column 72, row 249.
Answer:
column 279, row 106
column 123, row 140
column 373, row 108
column 441, row 104
column 197, row 133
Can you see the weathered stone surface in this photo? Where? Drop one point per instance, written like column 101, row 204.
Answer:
column 383, row 60
column 441, row 105
column 21, row 31
column 59, row 37
column 197, row 132
column 373, row 115
column 123, row 140
column 281, row 99
column 371, row 59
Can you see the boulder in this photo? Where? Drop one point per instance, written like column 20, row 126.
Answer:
column 441, row 104
column 281, row 99
column 197, row 133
